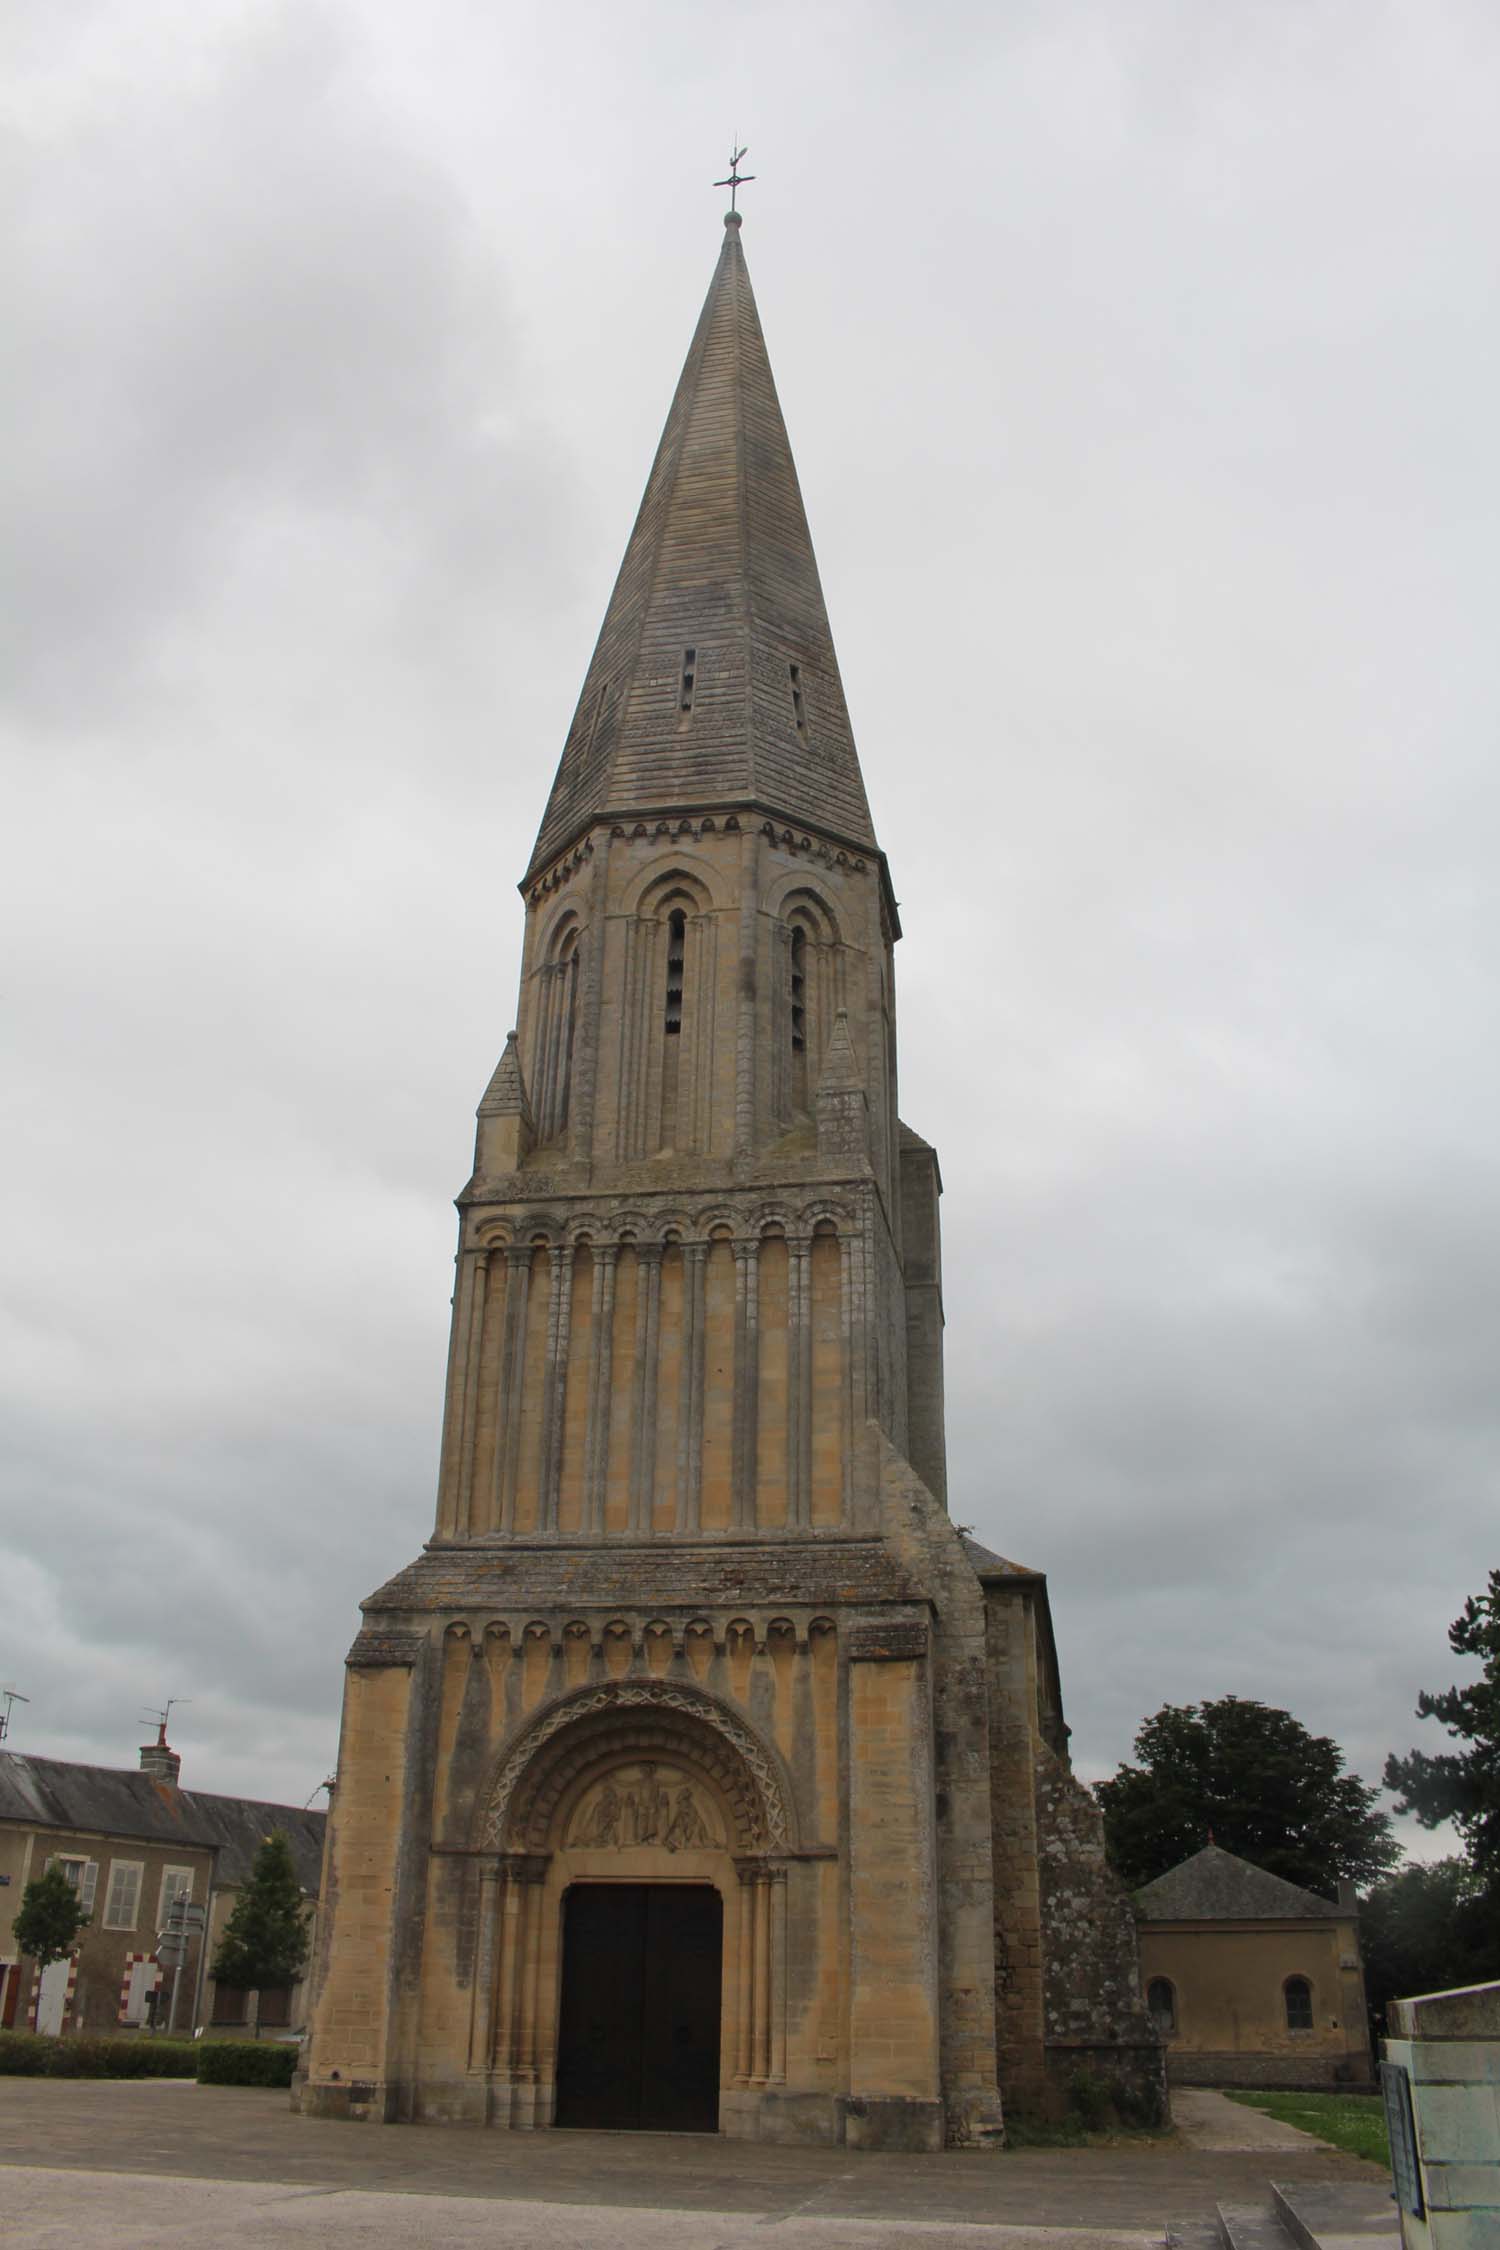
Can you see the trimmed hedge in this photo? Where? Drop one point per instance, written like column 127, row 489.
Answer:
column 31, row 2054
column 238, row 2062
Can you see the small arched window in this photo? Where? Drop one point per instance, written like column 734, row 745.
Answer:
column 797, row 1014
column 676, row 957
column 1161, row 2004
column 552, row 1076
column 1298, row 1995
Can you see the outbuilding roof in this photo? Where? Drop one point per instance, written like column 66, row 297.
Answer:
column 111, row 1801
column 1218, row 1886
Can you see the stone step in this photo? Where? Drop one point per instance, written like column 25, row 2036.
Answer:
column 1338, row 2214
column 1194, row 2234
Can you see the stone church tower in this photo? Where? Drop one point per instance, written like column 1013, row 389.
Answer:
column 699, row 1772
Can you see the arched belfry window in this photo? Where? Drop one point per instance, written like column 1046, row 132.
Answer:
column 797, row 1015
column 663, row 1031
column 809, row 995
column 557, row 1019
column 676, row 964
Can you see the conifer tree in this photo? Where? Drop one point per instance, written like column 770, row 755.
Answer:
column 265, row 1939
column 1463, row 1785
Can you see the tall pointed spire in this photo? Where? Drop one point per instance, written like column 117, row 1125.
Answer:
column 714, row 681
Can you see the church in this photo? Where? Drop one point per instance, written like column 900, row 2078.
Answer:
column 700, row 1774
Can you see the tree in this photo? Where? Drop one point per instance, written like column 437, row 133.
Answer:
column 50, row 1919
column 1463, row 1785
column 1252, row 1779
column 265, row 1939
column 1426, row 1929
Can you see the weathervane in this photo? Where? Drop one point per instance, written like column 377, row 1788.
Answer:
column 737, row 178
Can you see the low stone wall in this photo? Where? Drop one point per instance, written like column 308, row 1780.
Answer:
column 1298, row 2073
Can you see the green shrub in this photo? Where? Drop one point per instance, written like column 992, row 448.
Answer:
column 1089, row 2100
column 29, row 2054
column 238, row 2062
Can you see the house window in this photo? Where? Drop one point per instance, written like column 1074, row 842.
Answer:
column 275, row 2006
column 1298, row 1995
column 123, row 1898
column 1161, row 2001
column 83, row 1874
column 176, row 1882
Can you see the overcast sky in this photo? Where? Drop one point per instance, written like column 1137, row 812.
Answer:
column 1141, row 364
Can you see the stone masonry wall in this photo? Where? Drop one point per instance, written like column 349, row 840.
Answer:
column 1095, row 2016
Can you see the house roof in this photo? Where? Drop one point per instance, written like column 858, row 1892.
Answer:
column 1217, row 1886
column 112, row 1801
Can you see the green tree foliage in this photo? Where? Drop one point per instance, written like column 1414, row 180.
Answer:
column 265, row 1939
column 1254, row 1780
column 1426, row 1929
column 50, row 1919
column 1463, row 1785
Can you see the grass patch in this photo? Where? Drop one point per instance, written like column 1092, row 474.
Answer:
column 1353, row 2122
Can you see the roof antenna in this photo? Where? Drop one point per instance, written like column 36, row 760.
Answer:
column 161, row 1717
column 11, row 1695
column 736, row 179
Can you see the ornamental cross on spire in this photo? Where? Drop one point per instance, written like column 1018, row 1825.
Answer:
column 737, row 178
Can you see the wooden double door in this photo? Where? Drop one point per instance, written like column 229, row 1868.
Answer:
column 638, row 2034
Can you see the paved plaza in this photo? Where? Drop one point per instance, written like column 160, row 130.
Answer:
column 148, row 2162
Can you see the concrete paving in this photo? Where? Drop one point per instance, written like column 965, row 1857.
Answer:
column 135, row 2163
column 1207, row 2120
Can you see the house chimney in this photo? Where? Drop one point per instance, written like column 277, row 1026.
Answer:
column 1348, row 1895
column 159, row 1759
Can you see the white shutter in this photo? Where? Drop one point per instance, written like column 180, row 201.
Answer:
column 123, row 1898
column 89, row 1885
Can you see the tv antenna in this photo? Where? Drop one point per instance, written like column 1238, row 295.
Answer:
column 159, row 1718
column 11, row 1695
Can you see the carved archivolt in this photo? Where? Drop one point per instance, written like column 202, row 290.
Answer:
column 655, row 1723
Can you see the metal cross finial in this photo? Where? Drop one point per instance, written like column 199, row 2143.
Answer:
column 737, row 178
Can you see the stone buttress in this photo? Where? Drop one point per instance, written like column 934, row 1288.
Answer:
column 693, row 1611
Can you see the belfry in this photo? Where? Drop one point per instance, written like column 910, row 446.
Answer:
column 699, row 1773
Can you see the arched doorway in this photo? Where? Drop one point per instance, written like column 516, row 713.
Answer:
column 631, row 1942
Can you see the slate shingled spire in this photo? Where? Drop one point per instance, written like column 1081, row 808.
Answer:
column 714, row 682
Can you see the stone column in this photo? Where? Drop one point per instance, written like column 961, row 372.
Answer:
column 469, row 1421
column 776, row 1880
column 746, row 1379
column 596, row 1437
column 511, row 1377
column 690, row 1415
column 799, row 1381
column 482, row 2011
column 643, row 1404
column 744, row 2045
column 849, row 1344
column 458, row 1407
column 555, row 1382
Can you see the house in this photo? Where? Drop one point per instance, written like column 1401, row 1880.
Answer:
column 1252, row 1981
column 130, row 1842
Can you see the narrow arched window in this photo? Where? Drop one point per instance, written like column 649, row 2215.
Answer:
column 1161, row 2003
column 552, row 1075
column 676, row 957
column 1298, row 1995
column 797, row 1015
